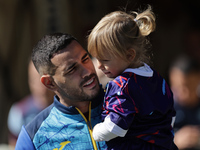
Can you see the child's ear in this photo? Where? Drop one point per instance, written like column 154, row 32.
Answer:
column 131, row 55
column 48, row 81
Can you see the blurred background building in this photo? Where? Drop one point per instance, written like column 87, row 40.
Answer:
column 24, row 22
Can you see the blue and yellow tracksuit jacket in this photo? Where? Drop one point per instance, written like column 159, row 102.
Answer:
column 62, row 128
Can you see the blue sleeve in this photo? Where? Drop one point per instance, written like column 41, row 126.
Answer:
column 24, row 142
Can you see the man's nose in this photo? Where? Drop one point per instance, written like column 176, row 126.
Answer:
column 86, row 70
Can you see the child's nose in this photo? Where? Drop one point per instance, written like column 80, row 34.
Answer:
column 99, row 65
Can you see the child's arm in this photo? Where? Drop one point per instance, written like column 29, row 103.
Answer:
column 107, row 130
column 101, row 133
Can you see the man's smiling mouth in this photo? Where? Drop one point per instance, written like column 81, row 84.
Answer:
column 89, row 82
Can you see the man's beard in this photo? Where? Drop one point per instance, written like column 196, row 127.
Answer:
column 78, row 94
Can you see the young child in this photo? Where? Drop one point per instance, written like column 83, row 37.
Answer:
column 138, row 107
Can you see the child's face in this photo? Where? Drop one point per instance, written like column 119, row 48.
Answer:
column 112, row 66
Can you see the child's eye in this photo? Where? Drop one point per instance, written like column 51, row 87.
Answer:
column 104, row 60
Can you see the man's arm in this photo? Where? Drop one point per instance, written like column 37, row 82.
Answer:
column 24, row 142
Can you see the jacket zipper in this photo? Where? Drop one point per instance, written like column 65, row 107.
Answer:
column 89, row 125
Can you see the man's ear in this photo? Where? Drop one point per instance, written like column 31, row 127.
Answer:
column 131, row 55
column 48, row 81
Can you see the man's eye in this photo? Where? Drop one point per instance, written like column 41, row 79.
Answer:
column 86, row 59
column 70, row 71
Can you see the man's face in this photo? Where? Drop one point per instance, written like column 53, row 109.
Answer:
column 75, row 76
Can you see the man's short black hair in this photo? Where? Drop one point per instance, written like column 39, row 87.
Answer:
column 48, row 46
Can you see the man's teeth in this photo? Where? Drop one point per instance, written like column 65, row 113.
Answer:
column 90, row 82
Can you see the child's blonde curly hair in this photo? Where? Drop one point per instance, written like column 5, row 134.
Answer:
column 119, row 31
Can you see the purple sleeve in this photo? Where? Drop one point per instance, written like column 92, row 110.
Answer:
column 24, row 142
column 119, row 106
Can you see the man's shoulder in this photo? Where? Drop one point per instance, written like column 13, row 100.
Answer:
column 33, row 126
column 24, row 141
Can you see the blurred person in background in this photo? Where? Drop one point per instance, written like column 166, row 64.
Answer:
column 26, row 109
column 184, row 76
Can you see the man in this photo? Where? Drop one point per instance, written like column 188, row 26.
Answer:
column 65, row 68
